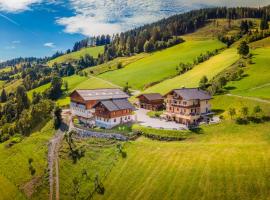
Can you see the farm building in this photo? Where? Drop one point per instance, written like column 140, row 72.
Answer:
column 188, row 105
column 101, row 107
column 152, row 101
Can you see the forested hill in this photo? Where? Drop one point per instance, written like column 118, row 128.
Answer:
column 162, row 34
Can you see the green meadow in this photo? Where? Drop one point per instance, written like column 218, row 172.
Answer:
column 93, row 51
column 112, row 65
column 74, row 82
column 225, row 161
column 257, row 80
column 191, row 78
column 160, row 65
column 16, row 181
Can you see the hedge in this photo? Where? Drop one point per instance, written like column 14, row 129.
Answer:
column 160, row 134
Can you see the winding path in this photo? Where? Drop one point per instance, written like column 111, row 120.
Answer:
column 54, row 146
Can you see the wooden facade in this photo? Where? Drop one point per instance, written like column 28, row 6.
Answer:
column 152, row 102
column 187, row 106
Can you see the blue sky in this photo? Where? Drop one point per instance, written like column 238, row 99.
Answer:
column 41, row 27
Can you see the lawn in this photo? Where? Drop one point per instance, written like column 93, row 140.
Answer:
column 161, row 64
column 15, row 178
column 112, row 65
column 191, row 78
column 100, row 156
column 93, row 51
column 2, row 83
column 257, row 80
column 226, row 161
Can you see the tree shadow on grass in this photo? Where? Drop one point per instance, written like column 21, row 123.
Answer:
column 197, row 130
column 229, row 88
column 218, row 111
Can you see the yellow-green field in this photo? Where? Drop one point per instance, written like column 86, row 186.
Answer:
column 191, row 78
column 16, row 181
column 226, row 161
column 257, row 80
column 93, row 51
column 161, row 64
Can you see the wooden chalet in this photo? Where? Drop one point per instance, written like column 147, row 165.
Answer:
column 152, row 101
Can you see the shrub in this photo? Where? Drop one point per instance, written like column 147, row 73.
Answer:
column 241, row 121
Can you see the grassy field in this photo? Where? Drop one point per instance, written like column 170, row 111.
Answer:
column 226, row 161
column 11, row 86
column 100, row 156
column 93, row 51
column 112, row 65
column 16, row 182
column 2, row 83
column 74, row 82
column 160, row 65
column 257, row 82
column 191, row 78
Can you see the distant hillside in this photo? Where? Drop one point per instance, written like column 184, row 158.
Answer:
column 71, row 57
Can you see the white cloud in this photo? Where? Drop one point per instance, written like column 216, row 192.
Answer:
column 94, row 17
column 49, row 44
column 16, row 5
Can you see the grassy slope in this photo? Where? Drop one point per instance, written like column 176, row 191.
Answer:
column 93, row 51
column 112, row 65
column 209, row 68
column 257, row 83
column 2, row 83
column 99, row 157
column 14, row 172
column 74, row 82
column 227, row 161
column 160, row 64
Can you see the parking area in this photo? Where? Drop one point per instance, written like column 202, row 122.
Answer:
column 144, row 120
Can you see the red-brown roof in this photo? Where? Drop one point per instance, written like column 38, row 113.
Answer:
column 152, row 96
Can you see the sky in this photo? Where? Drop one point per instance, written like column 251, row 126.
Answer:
column 41, row 27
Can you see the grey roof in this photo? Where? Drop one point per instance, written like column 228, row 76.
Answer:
column 152, row 96
column 102, row 94
column 117, row 104
column 193, row 93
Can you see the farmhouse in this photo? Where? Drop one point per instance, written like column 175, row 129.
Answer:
column 102, row 107
column 188, row 105
column 152, row 101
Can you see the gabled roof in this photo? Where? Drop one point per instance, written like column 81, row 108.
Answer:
column 192, row 93
column 152, row 96
column 117, row 104
column 101, row 94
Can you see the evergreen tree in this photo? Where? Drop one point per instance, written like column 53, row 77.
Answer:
column 3, row 97
column 243, row 48
column 21, row 100
column 264, row 24
column 203, row 82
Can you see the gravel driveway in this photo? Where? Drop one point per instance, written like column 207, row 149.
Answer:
column 144, row 120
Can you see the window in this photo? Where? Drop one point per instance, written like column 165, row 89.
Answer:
column 114, row 120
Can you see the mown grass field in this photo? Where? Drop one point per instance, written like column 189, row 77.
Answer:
column 74, row 82
column 257, row 80
column 160, row 65
column 93, row 51
column 112, row 65
column 2, row 83
column 226, row 161
column 16, row 181
column 100, row 156
column 191, row 78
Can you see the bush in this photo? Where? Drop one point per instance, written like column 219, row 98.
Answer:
column 241, row 121
column 159, row 134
